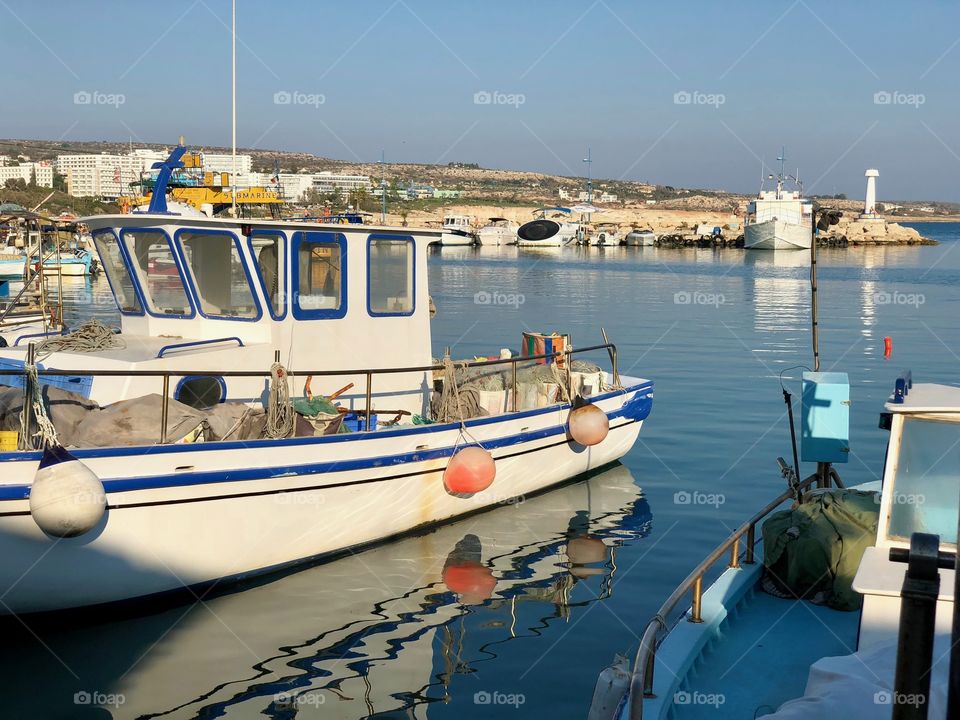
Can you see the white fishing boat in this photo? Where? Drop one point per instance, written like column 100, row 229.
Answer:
column 216, row 477
column 458, row 230
column 640, row 238
column 782, row 633
column 379, row 633
column 499, row 231
column 555, row 231
column 603, row 235
column 779, row 219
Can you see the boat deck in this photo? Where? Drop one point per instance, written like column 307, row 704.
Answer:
column 761, row 657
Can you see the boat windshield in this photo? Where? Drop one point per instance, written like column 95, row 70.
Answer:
column 925, row 491
column 118, row 274
column 218, row 274
column 157, row 272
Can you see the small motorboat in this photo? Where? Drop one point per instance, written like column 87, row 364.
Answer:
column 640, row 238
column 556, row 231
column 499, row 231
column 458, row 230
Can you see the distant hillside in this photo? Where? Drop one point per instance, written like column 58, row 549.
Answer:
column 484, row 185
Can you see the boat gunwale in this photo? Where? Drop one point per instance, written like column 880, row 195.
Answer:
column 642, row 674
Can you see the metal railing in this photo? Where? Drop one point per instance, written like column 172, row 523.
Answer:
column 641, row 683
column 369, row 373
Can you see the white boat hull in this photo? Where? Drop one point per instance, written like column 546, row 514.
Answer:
column 497, row 236
column 457, row 238
column 182, row 516
column 776, row 235
column 640, row 239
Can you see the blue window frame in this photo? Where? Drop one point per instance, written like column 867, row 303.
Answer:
column 320, row 280
column 268, row 249
column 391, row 275
column 157, row 272
column 218, row 274
column 116, row 266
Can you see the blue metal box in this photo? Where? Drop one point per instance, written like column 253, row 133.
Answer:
column 825, row 421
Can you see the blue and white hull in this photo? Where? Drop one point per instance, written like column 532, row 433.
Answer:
column 181, row 516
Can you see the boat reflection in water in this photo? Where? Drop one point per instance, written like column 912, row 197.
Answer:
column 387, row 631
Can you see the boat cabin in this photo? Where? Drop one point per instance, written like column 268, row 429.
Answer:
column 784, row 205
column 920, row 494
column 200, row 295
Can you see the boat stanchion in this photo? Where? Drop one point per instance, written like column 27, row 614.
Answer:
column 648, row 675
column 735, row 553
column 696, row 602
column 751, row 539
column 165, row 409
column 369, row 398
column 513, row 373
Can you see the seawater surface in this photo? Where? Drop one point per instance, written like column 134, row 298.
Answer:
column 514, row 612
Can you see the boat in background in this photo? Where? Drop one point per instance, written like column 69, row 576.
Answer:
column 542, row 231
column 499, row 231
column 779, row 219
column 458, row 230
column 603, row 235
column 640, row 238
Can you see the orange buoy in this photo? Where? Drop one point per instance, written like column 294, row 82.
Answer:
column 472, row 581
column 887, row 347
column 471, row 470
column 588, row 424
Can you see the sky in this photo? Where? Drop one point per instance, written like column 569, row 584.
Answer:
column 684, row 93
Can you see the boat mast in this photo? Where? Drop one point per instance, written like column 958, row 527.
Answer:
column 782, row 158
column 233, row 51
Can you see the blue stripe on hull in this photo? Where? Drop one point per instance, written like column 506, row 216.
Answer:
column 636, row 409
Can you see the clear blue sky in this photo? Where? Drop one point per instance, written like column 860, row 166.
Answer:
column 402, row 75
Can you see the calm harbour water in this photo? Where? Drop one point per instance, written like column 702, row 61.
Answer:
column 543, row 607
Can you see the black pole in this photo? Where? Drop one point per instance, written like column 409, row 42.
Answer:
column 918, row 614
column 953, row 688
column 788, row 399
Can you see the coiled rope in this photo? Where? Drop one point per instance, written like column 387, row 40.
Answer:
column 280, row 415
column 46, row 433
column 455, row 404
column 91, row 336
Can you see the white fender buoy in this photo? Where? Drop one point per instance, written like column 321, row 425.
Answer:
column 588, row 424
column 66, row 499
column 470, row 470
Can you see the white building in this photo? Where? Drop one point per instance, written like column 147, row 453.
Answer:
column 564, row 195
column 608, row 197
column 105, row 176
column 328, row 182
column 223, row 163
column 40, row 173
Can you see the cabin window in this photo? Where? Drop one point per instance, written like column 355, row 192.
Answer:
column 218, row 274
column 925, row 488
column 157, row 271
column 390, row 275
column 321, row 283
column 269, row 250
column 118, row 274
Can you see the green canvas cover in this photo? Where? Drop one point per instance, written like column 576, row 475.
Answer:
column 813, row 550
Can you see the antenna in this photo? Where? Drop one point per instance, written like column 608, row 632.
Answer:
column 233, row 50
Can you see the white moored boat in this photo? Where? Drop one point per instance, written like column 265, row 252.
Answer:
column 216, row 477
column 458, row 230
column 499, row 231
column 548, row 232
column 640, row 238
column 779, row 219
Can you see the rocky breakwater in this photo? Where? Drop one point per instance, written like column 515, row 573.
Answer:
column 873, row 231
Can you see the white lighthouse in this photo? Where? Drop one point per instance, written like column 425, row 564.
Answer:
column 870, row 203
